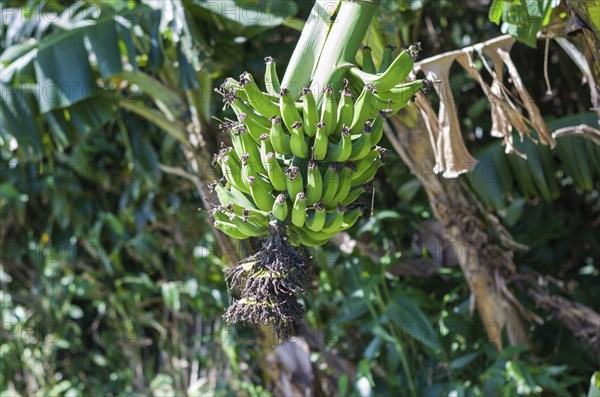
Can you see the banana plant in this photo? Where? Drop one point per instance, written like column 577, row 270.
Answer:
column 303, row 151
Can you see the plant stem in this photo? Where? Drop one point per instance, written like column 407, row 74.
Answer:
column 344, row 39
column 309, row 47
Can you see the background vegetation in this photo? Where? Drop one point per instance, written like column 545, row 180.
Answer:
column 112, row 279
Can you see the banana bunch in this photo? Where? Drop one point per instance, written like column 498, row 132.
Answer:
column 299, row 165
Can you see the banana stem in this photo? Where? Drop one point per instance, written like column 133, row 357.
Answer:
column 309, row 47
column 340, row 48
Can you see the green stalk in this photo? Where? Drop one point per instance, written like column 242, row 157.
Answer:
column 310, row 45
column 344, row 39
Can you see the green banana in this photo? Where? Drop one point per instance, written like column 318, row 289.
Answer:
column 341, row 151
column 377, row 128
column 249, row 147
column 255, row 129
column 249, row 229
column 271, row 78
column 275, row 173
column 350, row 217
column 229, row 229
column 280, row 208
column 248, row 168
column 299, row 210
column 362, row 145
column 399, row 96
column 293, row 180
column 309, row 112
column 345, row 111
column 260, row 101
column 368, row 175
column 331, row 181
column 367, row 161
column 218, row 214
column 265, row 148
column 236, row 141
column 329, row 110
column 386, row 59
column 301, row 236
column 315, row 219
column 255, row 216
column 297, row 142
column 345, row 181
column 314, row 183
column 279, row 139
column 229, row 151
column 232, row 172
column 233, row 195
column 246, row 226
column 367, row 64
column 397, row 72
column 353, row 195
column 321, row 142
column 320, row 235
column 334, row 220
column 261, row 193
column 363, row 108
column 289, row 113
column 221, row 214
column 250, row 118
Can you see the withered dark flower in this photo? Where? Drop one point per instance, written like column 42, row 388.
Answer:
column 228, row 125
column 279, row 313
column 426, row 85
column 415, row 49
column 387, row 112
column 228, row 94
column 269, row 283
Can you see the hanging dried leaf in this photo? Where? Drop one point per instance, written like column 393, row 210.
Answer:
column 534, row 112
column 512, row 113
column 431, row 123
column 453, row 156
column 507, row 110
column 498, row 51
column 502, row 111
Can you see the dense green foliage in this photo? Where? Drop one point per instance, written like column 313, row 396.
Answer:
column 112, row 279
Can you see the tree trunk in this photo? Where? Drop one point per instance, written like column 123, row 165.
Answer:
column 585, row 16
column 485, row 260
